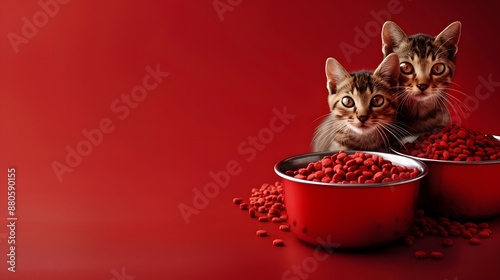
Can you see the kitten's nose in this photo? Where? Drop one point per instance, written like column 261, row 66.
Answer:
column 363, row 118
column 422, row 87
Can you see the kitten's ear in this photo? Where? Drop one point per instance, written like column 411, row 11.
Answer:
column 450, row 35
column 388, row 70
column 392, row 36
column 335, row 74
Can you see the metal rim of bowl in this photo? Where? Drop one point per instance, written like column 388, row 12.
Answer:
column 481, row 162
column 415, row 163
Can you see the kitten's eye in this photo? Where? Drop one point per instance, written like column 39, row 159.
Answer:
column 406, row 68
column 377, row 101
column 438, row 69
column 347, row 102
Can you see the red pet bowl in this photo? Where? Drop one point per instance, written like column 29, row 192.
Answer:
column 460, row 189
column 349, row 215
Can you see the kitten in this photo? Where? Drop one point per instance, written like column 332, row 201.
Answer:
column 427, row 67
column 363, row 108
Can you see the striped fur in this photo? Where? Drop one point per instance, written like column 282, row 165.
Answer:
column 424, row 99
column 365, row 122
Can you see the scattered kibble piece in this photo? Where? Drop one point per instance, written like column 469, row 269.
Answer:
column 284, row 228
column 263, row 219
column 261, row 233
column 483, row 225
column 474, row 241
column 278, row 242
column 408, row 241
column 448, row 242
column 276, row 220
column 484, row 234
column 252, row 213
column 472, row 230
column 470, row 225
column 244, row 206
column 237, row 200
column 466, row 234
column 424, row 225
column 437, row 255
column 420, row 255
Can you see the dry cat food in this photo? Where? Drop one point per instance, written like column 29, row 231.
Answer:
column 437, row 255
column 455, row 143
column 474, row 241
column 443, row 227
column 278, row 242
column 266, row 204
column 261, row 233
column 358, row 168
column 420, row 254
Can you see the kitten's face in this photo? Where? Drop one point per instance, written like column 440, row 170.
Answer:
column 427, row 63
column 363, row 102
column 360, row 105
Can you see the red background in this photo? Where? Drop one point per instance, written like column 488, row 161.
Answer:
column 119, row 207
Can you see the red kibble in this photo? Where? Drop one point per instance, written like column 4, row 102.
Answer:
column 357, row 168
column 284, row 228
column 261, row 233
column 453, row 142
column 444, row 222
column 420, row 255
column 378, row 177
column 483, row 225
column 437, row 255
column 419, row 234
column 319, row 174
column 448, row 242
column 456, row 224
column 466, row 234
column 252, row 213
column 278, row 242
column 263, row 219
column 274, row 212
column 484, row 234
column 326, row 179
column 474, row 241
column 243, row 206
column 470, row 225
column 237, row 200
column 326, row 162
column 276, row 220
column 408, row 241
column 444, row 233
column 462, row 134
column 472, row 230
column 454, row 232
column 318, row 165
column 277, row 205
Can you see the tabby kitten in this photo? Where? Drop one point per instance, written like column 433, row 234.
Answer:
column 363, row 108
column 427, row 67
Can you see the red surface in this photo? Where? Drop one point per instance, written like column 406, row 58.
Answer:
column 243, row 93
